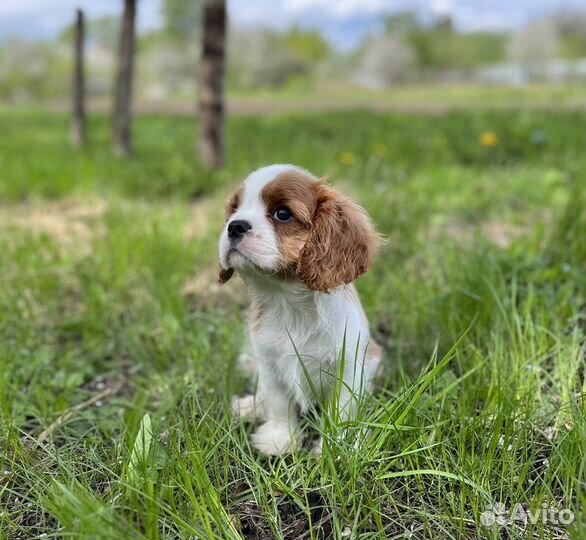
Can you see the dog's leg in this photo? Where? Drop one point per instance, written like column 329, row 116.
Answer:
column 355, row 386
column 247, row 407
column 277, row 434
column 246, row 360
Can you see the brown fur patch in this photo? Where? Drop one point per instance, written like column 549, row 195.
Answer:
column 298, row 192
column 341, row 245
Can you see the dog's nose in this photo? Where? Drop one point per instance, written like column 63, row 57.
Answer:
column 237, row 228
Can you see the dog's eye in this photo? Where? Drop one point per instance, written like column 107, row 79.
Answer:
column 283, row 215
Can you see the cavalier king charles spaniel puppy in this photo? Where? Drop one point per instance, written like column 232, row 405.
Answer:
column 299, row 245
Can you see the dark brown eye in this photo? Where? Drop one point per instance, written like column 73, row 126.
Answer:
column 283, row 215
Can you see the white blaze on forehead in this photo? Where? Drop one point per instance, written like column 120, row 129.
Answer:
column 257, row 180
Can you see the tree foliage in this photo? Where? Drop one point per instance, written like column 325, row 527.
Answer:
column 386, row 61
column 535, row 44
column 307, row 45
column 182, row 18
column 572, row 34
column 263, row 58
column 439, row 46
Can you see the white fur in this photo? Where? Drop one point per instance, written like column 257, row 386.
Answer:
column 300, row 333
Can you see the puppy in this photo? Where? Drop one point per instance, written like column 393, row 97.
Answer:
column 298, row 245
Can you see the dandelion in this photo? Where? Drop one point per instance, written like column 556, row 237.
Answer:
column 489, row 139
column 347, row 159
column 380, row 150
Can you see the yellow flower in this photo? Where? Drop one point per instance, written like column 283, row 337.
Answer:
column 347, row 158
column 380, row 150
column 489, row 139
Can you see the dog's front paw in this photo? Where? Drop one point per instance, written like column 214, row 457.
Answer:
column 274, row 438
column 318, row 447
column 246, row 407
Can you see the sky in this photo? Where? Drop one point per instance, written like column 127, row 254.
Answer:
column 344, row 22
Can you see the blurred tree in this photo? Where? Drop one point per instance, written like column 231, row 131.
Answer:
column 182, row 18
column 78, row 86
column 309, row 46
column 102, row 32
column 33, row 71
column 535, row 45
column 402, row 24
column 572, row 34
column 123, row 89
column 440, row 47
column 386, row 61
column 210, row 142
column 261, row 58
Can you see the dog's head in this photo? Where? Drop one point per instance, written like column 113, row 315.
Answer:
column 283, row 221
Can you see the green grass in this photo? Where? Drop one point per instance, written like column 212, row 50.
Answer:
column 479, row 299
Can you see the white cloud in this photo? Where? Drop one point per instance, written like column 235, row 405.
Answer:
column 341, row 8
column 442, row 7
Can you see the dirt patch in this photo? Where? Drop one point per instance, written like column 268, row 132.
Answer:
column 259, row 106
column 499, row 233
column 295, row 523
column 70, row 224
column 502, row 234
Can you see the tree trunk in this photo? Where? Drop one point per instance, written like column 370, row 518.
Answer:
column 123, row 90
column 211, row 84
column 77, row 132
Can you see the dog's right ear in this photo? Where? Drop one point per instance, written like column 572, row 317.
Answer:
column 225, row 274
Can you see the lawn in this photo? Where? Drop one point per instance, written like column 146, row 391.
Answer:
column 118, row 349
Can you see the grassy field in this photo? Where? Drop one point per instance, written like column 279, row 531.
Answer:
column 417, row 98
column 117, row 348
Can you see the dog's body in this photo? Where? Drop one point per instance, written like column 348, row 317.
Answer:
column 298, row 246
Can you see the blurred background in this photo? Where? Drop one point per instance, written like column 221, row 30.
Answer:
column 350, row 50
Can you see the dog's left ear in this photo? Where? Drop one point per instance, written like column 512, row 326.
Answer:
column 225, row 274
column 341, row 245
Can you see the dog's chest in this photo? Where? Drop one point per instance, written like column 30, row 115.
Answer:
column 293, row 341
column 283, row 338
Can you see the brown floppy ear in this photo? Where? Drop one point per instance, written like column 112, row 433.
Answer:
column 341, row 245
column 225, row 274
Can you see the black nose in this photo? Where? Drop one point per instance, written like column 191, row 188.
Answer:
column 237, row 228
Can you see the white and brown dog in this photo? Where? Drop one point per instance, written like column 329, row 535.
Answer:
column 298, row 245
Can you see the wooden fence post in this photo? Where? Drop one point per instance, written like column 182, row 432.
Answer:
column 211, row 84
column 78, row 124
column 123, row 90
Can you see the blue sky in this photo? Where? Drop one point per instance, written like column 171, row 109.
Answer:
column 344, row 22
